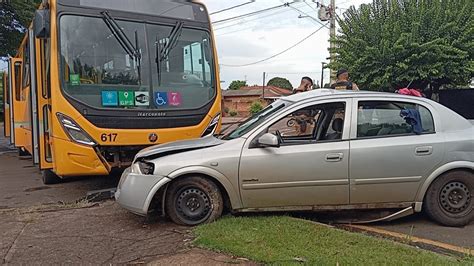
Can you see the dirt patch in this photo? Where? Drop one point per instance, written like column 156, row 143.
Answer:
column 95, row 234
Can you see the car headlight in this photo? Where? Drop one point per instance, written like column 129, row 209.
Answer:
column 75, row 132
column 146, row 168
column 211, row 128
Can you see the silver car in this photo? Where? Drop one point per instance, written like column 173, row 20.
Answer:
column 318, row 150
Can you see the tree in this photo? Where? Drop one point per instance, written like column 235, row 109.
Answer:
column 280, row 83
column 389, row 44
column 256, row 107
column 15, row 17
column 237, row 84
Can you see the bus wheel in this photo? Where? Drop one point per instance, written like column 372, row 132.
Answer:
column 22, row 152
column 193, row 200
column 49, row 178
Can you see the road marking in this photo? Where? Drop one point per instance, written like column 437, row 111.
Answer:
column 411, row 239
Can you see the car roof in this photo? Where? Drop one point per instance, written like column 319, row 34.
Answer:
column 336, row 93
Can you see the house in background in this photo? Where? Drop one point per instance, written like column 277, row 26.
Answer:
column 240, row 100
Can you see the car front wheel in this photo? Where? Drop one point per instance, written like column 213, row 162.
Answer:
column 193, row 200
column 449, row 199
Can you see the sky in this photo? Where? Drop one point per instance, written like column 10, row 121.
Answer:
column 254, row 38
column 258, row 37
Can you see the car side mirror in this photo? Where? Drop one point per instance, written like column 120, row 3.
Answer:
column 41, row 24
column 269, row 140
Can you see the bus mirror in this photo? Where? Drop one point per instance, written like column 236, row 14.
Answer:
column 41, row 23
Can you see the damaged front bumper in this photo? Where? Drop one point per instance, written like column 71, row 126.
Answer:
column 136, row 191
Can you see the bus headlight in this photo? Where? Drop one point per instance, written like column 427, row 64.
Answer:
column 211, row 128
column 75, row 132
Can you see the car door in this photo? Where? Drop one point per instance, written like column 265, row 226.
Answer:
column 388, row 160
column 311, row 165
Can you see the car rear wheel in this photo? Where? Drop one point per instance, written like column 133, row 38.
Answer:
column 193, row 200
column 449, row 199
column 49, row 178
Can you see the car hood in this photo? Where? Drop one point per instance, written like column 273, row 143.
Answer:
column 178, row 146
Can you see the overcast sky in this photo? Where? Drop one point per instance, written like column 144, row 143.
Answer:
column 251, row 39
column 258, row 37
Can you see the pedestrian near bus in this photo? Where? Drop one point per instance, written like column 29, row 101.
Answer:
column 343, row 82
column 305, row 85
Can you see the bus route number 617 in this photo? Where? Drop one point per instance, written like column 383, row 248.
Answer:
column 111, row 137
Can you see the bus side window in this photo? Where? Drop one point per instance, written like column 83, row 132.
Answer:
column 17, row 81
column 26, row 65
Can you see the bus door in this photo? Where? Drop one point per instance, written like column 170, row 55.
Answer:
column 10, row 101
column 42, row 103
column 6, row 105
column 33, row 98
column 18, row 103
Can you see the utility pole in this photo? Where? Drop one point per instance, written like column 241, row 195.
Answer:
column 332, row 35
column 263, row 87
column 323, row 65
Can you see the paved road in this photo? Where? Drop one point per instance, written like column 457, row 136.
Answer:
column 420, row 226
column 36, row 227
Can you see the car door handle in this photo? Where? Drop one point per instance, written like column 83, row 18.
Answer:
column 424, row 150
column 334, row 157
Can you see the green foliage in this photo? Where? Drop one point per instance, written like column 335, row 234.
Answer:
column 280, row 83
column 256, row 107
column 237, row 84
column 15, row 17
column 233, row 113
column 387, row 44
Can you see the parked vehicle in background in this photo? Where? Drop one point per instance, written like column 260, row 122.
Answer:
column 94, row 82
column 359, row 153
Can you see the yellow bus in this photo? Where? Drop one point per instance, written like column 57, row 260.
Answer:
column 94, row 82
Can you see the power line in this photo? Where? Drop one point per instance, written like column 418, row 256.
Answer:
column 232, row 7
column 257, row 18
column 253, row 13
column 311, row 17
column 284, row 51
column 311, row 7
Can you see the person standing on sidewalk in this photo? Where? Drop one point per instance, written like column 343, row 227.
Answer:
column 342, row 81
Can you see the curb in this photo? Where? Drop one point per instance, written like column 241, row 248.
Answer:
column 411, row 240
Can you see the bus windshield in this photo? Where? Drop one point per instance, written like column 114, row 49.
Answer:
column 98, row 71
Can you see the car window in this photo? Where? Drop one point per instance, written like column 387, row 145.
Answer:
column 318, row 122
column 383, row 118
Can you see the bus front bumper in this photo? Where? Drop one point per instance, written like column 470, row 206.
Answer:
column 136, row 191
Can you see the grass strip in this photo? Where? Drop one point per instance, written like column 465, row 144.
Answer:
column 286, row 240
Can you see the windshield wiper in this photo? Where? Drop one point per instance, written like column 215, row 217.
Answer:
column 157, row 59
column 172, row 40
column 124, row 41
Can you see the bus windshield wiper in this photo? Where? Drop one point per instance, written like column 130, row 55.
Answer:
column 158, row 59
column 169, row 43
column 124, row 41
column 172, row 40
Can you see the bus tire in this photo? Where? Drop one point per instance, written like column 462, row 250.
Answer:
column 49, row 177
column 22, row 152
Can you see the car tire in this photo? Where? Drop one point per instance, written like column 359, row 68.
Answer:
column 49, row 177
column 193, row 200
column 449, row 199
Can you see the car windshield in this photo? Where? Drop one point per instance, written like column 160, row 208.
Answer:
column 99, row 71
column 255, row 120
